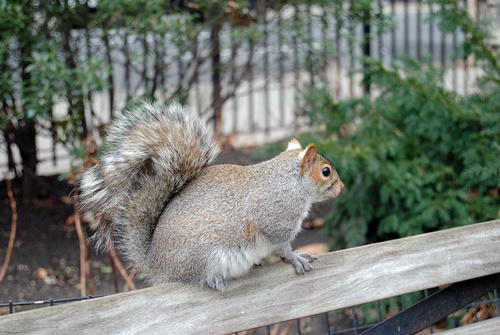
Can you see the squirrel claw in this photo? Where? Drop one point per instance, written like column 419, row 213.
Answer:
column 217, row 283
column 308, row 256
column 301, row 261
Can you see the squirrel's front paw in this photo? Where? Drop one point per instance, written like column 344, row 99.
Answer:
column 301, row 261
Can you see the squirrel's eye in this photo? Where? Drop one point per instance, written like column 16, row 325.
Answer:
column 326, row 171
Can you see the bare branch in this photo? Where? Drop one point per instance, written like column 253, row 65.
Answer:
column 121, row 269
column 13, row 228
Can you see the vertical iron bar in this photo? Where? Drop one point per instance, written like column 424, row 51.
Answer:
column 393, row 33
column 366, row 47
column 380, row 40
column 165, row 67
column 162, row 67
column 454, row 72
column 497, row 301
column 145, row 57
column 466, row 66
column 250, row 83
column 431, row 32
column 406, row 29
column 310, row 52
column 443, row 46
column 197, row 77
column 419, row 30
column 181, row 69
column 296, row 64
column 233, row 80
column 351, row 52
column 215, row 49
column 338, row 56
column 466, row 76
column 474, row 306
column 127, row 66
column 354, row 320
column 327, row 319
column 453, row 320
column 89, row 93
column 380, row 314
column 267, row 110
column 426, row 295
column 157, row 73
column 324, row 39
column 110, row 78
column 281, row 71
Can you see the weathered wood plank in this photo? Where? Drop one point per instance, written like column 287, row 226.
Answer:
column 491, row 326
column 275, row 293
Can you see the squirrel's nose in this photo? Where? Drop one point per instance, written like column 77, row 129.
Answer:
column 341, row 184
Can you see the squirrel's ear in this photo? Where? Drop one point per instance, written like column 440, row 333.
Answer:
column 293, row 144
column 308, row 156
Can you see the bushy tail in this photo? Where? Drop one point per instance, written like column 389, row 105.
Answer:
column 152, row 152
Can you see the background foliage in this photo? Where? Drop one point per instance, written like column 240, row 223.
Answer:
column 415, row 158
column 63, row 51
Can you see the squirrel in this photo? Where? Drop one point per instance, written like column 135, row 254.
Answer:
column 156, row 198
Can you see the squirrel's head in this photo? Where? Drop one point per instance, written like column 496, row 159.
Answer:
column 318, row 171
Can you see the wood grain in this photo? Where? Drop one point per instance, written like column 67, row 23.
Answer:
column 275, row 293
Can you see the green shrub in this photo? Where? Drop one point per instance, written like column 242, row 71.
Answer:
column 416, row 157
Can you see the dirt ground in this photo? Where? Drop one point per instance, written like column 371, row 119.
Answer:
column 45, row 259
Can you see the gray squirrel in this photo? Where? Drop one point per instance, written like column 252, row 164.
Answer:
column 155, row 197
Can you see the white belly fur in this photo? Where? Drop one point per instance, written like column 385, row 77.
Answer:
column 233, row 263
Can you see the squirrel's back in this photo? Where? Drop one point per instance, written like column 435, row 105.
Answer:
column 152, row 152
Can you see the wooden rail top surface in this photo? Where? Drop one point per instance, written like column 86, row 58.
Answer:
column 275, row 293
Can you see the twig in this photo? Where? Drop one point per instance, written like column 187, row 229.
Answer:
column 288, row 327
column 13, row 228
column 121, row 269
column 88, row 263
column 132, row 275
column 82, row 244
column 113, row 272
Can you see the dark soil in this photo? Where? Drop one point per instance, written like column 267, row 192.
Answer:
column 45, row 261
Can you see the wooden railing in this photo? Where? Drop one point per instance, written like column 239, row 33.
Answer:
column 275, row 293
